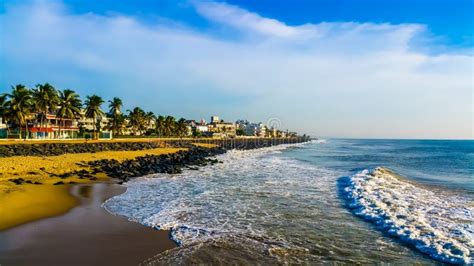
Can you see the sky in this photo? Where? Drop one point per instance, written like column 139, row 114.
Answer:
column 331, row 68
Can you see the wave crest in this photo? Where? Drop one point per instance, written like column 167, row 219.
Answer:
column 436, row 224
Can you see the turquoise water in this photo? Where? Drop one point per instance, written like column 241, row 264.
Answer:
column 319, row 202
column 448, row 163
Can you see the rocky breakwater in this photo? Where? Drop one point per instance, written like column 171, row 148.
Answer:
column 53, row 149
column 187, row 159
column 172, row 163
column 252, row 143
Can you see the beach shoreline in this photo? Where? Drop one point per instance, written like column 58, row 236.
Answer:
column 67, row 216
column 36, row 187
column 34, row 177
column 85, row 235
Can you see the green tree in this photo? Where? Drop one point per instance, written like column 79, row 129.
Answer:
column 93, row 110
column 150, row 119
column 17, row 106
column 181, row 127
column 115, row 112
column 45, row 98
column 137, row 119
column 169, row 125
column 3, row 100
column 69, row 106
column 160, row 126
column 121, row 123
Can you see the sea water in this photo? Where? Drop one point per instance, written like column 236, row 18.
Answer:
column 349, row 201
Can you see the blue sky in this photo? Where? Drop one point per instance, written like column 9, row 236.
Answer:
column 394, row 69
column 450, row 20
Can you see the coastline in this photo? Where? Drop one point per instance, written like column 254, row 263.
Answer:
column 34, row 187
column 85, row 235
column 68, row 214
column 33, row 175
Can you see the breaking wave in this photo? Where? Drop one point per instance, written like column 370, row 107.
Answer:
column 220, row 206
column 437, row 223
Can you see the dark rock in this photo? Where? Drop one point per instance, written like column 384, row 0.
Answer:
column 17, row 181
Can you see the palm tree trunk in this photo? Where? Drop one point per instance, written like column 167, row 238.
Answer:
column 20, row 130
column 114, row 131
column 95, row 126
column 26, row 126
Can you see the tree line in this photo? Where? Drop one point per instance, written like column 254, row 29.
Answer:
column 23, row 104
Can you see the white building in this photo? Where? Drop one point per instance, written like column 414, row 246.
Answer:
column 89, row 124
column 3, row 129
column 255, row 129
column 251, row 129
column 2, row 125
column 215, row 119
column 202, row 128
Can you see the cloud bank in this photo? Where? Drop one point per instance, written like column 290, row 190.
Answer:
column 330, row 79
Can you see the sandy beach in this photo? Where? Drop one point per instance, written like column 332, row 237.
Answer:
column 51, row 205
column 28, row 201
column 86, row 235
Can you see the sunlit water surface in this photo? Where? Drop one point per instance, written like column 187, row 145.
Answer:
column 312, row 203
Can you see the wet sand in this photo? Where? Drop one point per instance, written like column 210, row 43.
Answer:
column 86, row 235
column 29, row 202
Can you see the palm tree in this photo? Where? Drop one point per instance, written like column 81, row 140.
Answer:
column 3, row 100
column 160, row 125
column 137, row 119
column 181, row 127
column 45, row 99
column 69, row 106
column 121, row 123
column 150, row 120
column 17, row 106
column 93, row 110
column 169, row 125
column 115, row 106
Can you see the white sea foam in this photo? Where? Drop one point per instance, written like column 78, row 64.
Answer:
column 226, row 201
column 436, row 223
column 216, row 200
column 257, row 204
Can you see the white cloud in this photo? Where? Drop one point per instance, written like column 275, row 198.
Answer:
column 339, row 79
column 244, row 20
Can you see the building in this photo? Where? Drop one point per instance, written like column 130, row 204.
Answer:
column 42, row 127
column 3, row 129
column 221, row 128
column 87, row 126
column 215, row 119
column 252, row 129
column 52, row 127
column 255, row 129
column 202, row 128
column 191, row 123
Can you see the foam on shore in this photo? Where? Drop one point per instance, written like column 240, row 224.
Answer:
column 217, row 204
column 438, row 224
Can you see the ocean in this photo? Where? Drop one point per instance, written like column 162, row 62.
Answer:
column 326, row 201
